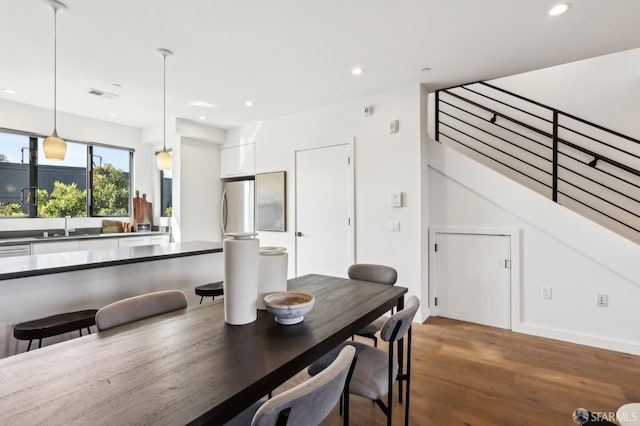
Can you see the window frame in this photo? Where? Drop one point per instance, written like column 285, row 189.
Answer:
column 33, row 175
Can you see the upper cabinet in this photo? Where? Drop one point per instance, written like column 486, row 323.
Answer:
column 237, row 161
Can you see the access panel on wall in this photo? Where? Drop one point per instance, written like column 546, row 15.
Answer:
column 271, row 201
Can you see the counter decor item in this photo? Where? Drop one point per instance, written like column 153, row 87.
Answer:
column 289, row 307
column 240, row 278
column 142, row 211
column 272, row 272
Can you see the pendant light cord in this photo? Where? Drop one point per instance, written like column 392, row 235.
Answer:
column 164, row 104
column 55, row 67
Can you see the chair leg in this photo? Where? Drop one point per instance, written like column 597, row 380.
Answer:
column 400, row 366
column 390, row 384
column 406, row 407
column 400, row 306
column 345, row 392
column 345, row 417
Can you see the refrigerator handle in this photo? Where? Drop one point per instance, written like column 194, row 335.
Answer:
column 223, row 212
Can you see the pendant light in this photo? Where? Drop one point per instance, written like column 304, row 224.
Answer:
column 163, row 158
column 54, row 147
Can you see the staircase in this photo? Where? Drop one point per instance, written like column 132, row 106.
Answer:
column 585, row 167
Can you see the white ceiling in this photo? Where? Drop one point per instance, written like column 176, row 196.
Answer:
column 286, row 56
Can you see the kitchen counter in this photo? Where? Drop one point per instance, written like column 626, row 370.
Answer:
column 29, row 266
column 40, row 285
column 74, row 236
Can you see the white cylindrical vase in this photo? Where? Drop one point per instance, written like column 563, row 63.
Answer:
column 240, row 278
column 272, row 272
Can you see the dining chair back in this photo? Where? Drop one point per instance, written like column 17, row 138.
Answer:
column 377, row 273
column 369, row 379
column 139, row 307
column 308, row 403
column 311, row 401
column 381, row 274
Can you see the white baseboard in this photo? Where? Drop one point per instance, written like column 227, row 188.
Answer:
column 579, row 338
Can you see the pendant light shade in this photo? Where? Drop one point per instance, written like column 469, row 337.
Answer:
column 163, row 158
column 55, row 148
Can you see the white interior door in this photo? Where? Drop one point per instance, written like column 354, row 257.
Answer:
column 473, row 278
column 324, row 192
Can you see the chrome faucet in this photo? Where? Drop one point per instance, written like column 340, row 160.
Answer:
column 67, row 226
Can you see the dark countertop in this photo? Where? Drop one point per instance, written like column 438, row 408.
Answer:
column 74, row 236
column 42, row 264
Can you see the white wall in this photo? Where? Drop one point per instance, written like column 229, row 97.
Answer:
column 603, row 90
column 196, row 191
column 383, row 163
column 37, row 120
column 559, row 248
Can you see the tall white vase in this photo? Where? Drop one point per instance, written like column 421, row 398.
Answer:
column 240, row 278
column 272, row 272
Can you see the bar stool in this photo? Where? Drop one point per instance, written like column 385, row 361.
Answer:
column 54, row 325
column 210, row 290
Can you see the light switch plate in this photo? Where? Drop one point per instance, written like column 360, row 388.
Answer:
column 395, row 199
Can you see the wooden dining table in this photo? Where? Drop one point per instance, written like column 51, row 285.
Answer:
column 184, row 367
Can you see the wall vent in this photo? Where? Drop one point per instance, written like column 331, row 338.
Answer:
column 103, row 93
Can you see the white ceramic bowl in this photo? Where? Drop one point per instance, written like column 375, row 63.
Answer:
column 289, row 307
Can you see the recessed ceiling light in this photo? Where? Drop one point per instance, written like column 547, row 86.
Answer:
column 202, row 117
column 249, row 103
column 559, row 9
column 9, row 91
column 116, row 84
column 426, row 69
column 356, row 71
column 201, row 104
column 113, row 115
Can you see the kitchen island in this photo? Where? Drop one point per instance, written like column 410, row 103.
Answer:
column 40, row 285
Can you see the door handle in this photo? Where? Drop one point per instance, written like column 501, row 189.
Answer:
column 299, row 234
column 223, row 212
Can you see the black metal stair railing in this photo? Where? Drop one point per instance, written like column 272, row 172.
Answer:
column 573, row 161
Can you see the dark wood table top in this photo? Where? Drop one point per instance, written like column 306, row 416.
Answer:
column 53, row 263
column 183, row 367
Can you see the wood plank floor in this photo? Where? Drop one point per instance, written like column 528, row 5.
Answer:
column 469, row 374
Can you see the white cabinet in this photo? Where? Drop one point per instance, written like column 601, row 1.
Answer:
column 98, row 243
column 17, row 250
column 134, row 241
column 54, row 247
column 160, row 239
column 237, row 161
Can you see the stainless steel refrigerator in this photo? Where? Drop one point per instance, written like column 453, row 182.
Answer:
column 237, row 207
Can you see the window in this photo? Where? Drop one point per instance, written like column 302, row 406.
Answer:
column 166, row 179
column 62, row 185
column 110, row 180
column 92, row 180
column 16, row 193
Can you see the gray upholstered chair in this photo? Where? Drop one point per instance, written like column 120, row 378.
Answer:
column 369, row 379
column 307, row 403
column 139, row 307
column 377, row 273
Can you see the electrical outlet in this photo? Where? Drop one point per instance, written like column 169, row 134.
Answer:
column 546, row 292
column 603, row 300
